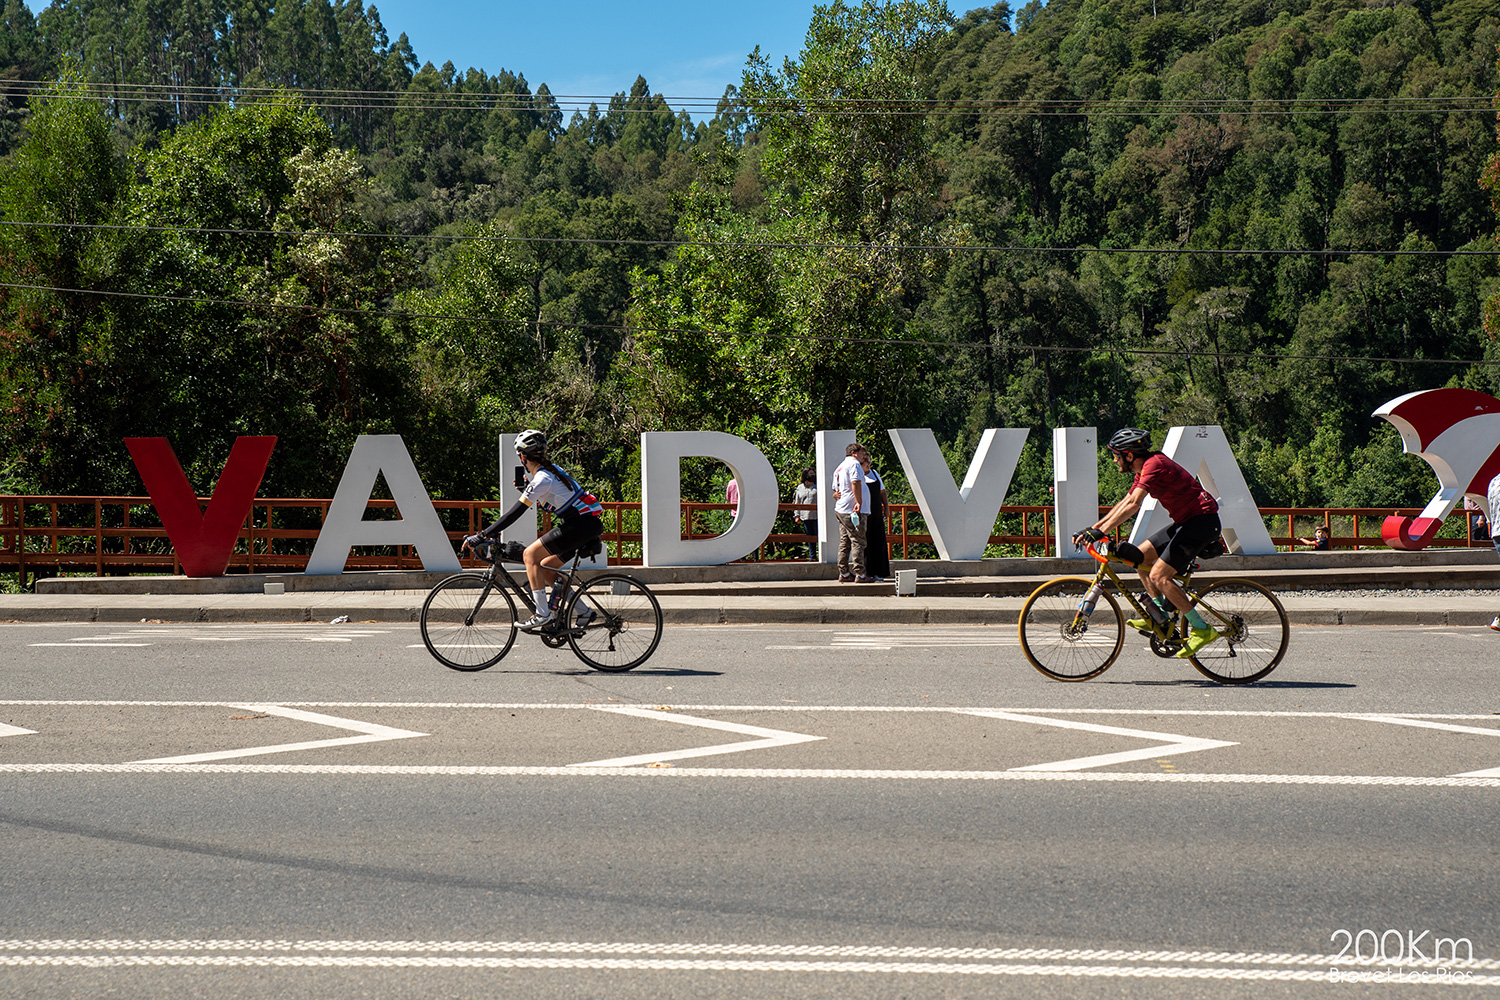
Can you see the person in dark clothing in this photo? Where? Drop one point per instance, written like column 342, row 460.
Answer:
column 877, row 552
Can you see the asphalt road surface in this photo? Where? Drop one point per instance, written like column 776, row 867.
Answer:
column 795, row 811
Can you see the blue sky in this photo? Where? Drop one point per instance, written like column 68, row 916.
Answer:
column 682, row 48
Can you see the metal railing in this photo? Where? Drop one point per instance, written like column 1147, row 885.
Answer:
column 122, row 535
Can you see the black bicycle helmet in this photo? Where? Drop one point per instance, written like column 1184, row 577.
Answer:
column 531, row 444
column 1130, row 439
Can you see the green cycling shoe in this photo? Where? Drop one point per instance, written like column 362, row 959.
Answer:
column 1196, row 640
column 1144, row 626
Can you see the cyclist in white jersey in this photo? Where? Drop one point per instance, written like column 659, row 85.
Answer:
column 578, row 522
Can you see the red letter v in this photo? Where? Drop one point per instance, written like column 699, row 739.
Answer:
column 204, row 540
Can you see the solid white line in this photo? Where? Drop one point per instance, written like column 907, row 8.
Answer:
column 726, row 958
column 893, row 709
column 490, row 771
column 372, row 734
column 767, row 738
column 1172, row 743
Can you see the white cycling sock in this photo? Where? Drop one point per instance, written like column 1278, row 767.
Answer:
column 540, row 597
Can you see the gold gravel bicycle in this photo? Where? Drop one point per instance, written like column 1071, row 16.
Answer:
column 1072, row 628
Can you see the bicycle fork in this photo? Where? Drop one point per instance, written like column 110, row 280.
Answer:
column 1086, row 606
column 479, row 604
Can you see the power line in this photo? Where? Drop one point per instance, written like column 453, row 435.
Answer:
column 620, row 103
column 756, row 244
column 823, row 338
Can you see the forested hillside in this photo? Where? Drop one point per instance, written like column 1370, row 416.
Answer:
column 227, row 218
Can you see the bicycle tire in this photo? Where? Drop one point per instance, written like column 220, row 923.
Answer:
column 1257, row 636
column 457, row 636
column 626, row 629
column 1051, row 644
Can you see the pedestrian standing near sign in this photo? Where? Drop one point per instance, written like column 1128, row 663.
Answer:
column 877, row 552
column 851, row 503
column 1494, row 499
column 807, row 493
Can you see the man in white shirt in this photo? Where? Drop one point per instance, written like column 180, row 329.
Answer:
column 851, row 498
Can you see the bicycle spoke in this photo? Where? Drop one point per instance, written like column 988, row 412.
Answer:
column 1062, row 645
column 468, row 623
column 626, row 624
column 1253, row 632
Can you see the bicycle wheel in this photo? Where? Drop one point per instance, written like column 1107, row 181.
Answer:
column 1054, row 641
column 626, row 626
column 1254, row 630
column 460, row 631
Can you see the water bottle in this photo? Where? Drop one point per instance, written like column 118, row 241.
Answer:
column 1086, row 606
column 1152, row 608
column 557, row 598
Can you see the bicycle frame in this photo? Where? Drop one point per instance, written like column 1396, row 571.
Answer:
column 1167, row 632
column 1171, row 630
column 497, row 571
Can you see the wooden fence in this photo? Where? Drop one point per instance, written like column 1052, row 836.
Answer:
column 122, row 535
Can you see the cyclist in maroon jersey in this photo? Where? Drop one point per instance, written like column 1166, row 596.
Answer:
column 1195, row 526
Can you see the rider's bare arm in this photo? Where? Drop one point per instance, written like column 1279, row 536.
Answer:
column 1122, row 511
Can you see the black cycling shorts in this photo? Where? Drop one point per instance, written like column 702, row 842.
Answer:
column 570, row 534
column 1177, row 544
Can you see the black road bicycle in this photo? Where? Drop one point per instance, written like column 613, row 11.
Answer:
column 1072, row 628
column 612, row 621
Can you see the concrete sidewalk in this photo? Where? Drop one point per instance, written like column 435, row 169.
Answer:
column 873, row 604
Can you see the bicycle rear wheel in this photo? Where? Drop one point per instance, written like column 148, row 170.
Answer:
column 1059, row 645
column 462, row 632
column 626, row 625
column 1253, row 627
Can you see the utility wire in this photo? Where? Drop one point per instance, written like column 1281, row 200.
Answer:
column 753, row 244
column 380, row 100
column 824, row 338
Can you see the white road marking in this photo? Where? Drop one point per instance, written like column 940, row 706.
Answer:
column 372, row 733
column 15, row 731
column 93, row 645
column 878, row 709
column 195, row 763
column 571, row 771
column 767, row 738
column 1489, row 772
column 886, row 640
column 1173, row 744
column 1084, row 963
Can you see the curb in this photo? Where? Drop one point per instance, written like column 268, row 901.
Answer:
column 727, row 614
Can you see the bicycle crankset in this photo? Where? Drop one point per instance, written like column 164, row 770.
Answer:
column 1165, row 647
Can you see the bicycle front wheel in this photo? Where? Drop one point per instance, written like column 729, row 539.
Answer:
column 625, row 626
column 1253, row 630
column 468, row 622
column 1060, row 644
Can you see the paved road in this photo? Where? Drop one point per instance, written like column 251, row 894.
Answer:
column 315, row 810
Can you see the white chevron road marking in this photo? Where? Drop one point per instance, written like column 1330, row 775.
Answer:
column 370, row 733
column 765, row 738
column 1171, row 743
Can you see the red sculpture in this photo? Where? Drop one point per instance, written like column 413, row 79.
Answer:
column 204, row 540
column 1457, row 432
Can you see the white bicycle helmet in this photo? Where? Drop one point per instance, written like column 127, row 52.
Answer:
column 531, row 444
